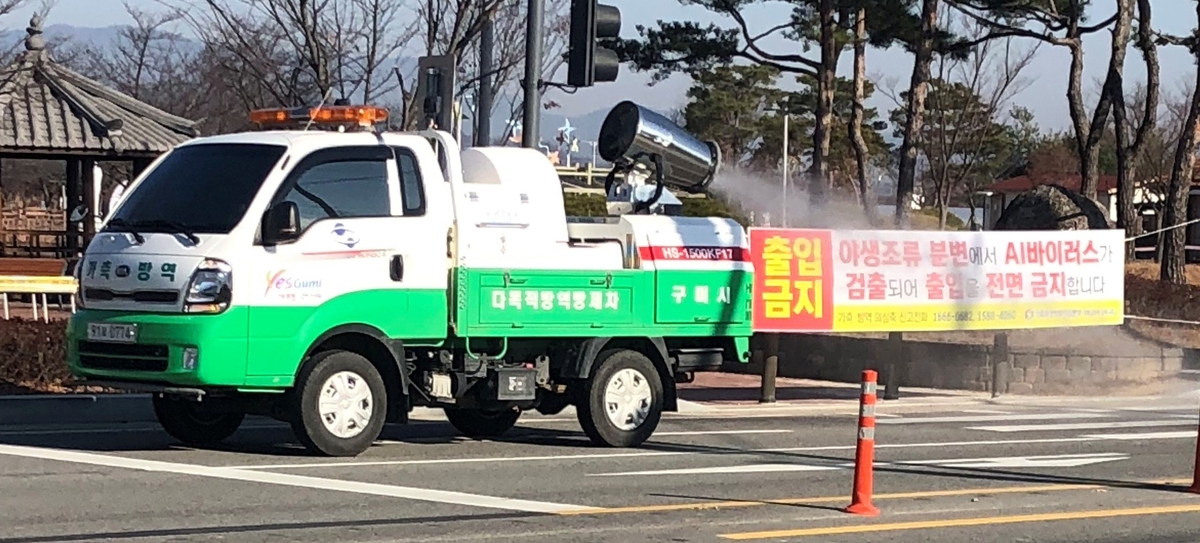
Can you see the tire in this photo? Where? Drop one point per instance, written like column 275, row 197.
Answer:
column 476, row 423
column 337, row 374
column 622, row 369
column 183, row 421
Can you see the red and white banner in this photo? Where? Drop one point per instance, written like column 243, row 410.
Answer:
column 889, row 280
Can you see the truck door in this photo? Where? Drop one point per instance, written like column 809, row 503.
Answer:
column 351, row 265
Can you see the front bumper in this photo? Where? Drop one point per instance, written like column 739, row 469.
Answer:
column 157, row 358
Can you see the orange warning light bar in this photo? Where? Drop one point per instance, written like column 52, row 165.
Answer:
column 339, row 115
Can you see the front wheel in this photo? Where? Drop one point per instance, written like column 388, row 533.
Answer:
column 340, row 404
column 185, row 421
column 622, row 402
column 477, row 423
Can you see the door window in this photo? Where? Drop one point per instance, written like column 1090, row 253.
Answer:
column 341, row 189
column 412, row 189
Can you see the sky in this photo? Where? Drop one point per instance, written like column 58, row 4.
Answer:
column 1046, row 76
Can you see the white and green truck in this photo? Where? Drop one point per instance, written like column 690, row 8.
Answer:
column 335, row 276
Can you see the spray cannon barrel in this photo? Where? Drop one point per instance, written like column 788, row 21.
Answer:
column 633, row 135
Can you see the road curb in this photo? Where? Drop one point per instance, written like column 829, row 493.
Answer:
column 75, row 408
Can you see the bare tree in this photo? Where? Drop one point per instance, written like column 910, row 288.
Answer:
column 141, row 59
column 1172, row 270
column 914, row 107
column 963, row 139
column 1059, row 24
column 866, row 196
column 454, row 30
column 289, row 52
column 1129, row 146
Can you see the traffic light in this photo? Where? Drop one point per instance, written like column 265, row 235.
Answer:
column 587, row 62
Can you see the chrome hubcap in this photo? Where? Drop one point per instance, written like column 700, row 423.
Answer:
column 346, row 404
column 627, row 399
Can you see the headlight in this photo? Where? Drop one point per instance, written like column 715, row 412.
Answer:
column 211, row 289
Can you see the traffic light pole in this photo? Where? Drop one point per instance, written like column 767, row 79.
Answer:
column 533, row 72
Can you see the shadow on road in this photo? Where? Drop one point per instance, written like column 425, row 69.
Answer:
column 264, row 437
column 715, row 499
column 164, row 534
column 964, row 473
column 277, row 440
column 783, row 393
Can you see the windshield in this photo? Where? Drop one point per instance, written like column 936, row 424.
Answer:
column 203, row 188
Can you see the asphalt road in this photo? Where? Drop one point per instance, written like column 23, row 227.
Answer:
column 1024, row 470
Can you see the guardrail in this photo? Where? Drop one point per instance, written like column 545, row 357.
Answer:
column 35, row 286
column 587, row 176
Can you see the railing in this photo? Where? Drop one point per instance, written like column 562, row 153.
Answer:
column 585, row 177
column 35, row 286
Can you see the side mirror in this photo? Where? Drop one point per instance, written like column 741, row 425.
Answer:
column 281, row 223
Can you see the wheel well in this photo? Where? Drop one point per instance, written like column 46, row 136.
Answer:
column 381, row 356
column 647, row 347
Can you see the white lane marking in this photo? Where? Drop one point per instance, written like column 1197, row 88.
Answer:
column 1050, row 461
column 747, row 468
column 1158, row 408
column 995, row 418
column 721, row 432
column 423, row 494
column 1145, row 435
column 1081, row 426
column 602, row 456
column 986, row 411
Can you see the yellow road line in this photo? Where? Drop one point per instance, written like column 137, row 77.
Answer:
column 983, row 491
column 958, row 523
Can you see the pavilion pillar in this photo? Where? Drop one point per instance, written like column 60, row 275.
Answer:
column 139, row 166
column 89, row 187
column 74, row 200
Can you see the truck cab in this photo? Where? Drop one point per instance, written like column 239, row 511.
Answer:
column 333, row 275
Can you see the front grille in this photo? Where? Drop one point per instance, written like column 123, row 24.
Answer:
column 141, row 296
column 117, row 356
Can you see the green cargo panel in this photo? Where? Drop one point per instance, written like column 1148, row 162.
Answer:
column 702, row 297
column 549, row 299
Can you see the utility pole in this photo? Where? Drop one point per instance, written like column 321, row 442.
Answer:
column 483, row 106
column 533, row 72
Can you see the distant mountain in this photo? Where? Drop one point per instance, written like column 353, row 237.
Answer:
column 82, row 36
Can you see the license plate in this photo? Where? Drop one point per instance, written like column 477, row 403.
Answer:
column 113, row 333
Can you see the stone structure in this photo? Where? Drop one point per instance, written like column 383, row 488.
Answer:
column 1026, row 370
column 1053, row 207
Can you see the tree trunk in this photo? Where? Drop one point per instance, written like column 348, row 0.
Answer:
column 826, row 81
column 1115, row 89
column 1127, row 179
column 1181, row 183
column 857, row 115
column 1087, row 136
column 1088, row 154
column 915, row 107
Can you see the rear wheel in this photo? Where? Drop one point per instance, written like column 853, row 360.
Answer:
column 186, row 421
column 621, row 403
column 340, row 403
column 477, row 423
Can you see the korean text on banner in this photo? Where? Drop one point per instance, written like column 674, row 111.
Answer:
column 897, row 281
column 793, row 284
